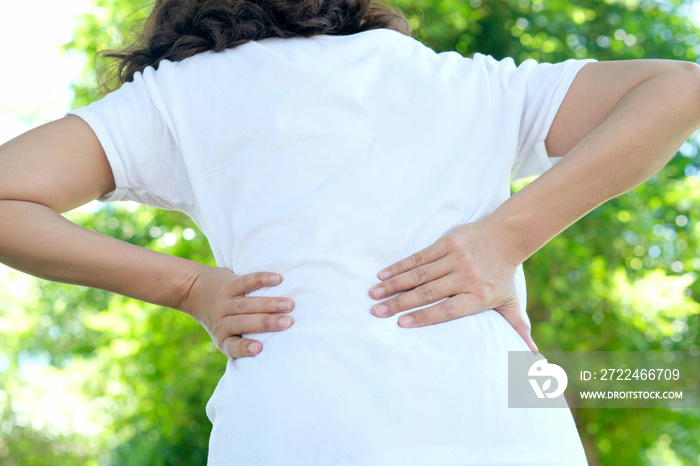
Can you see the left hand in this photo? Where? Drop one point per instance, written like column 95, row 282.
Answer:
column 472, row 266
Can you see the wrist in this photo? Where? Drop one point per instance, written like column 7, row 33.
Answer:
column 509, row 233
column 185, row 286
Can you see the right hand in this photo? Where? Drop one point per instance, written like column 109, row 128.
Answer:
column 218, row 302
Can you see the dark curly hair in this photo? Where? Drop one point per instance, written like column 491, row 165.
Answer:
column 178, row 29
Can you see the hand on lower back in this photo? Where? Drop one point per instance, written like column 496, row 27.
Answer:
column 218, row 301
column 469, row 266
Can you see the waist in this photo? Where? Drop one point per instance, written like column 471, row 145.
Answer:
column 351, row 331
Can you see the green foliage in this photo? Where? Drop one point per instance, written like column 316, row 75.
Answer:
column 128, row 359
column 110, row 25
column 622, row 278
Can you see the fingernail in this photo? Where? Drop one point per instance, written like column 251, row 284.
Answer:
column 405, row 321
column 380, row 310
column 253, row 348
column 275, row 278
column 384, row 275
column 284, row 306
column 284, row 322
column 379, row 292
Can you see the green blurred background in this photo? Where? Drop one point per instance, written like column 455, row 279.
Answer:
column 122, row 382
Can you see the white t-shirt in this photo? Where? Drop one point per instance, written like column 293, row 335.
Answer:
column 326, row 159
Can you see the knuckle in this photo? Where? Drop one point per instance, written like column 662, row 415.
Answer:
column 396, row 305
column 451, row 310
column 390, row 286
column 269, row 322
column 470, row 274
column 417, row 260
column 451, row 242
column 420, row 317
column 401, row 267
column 239, row 306
column 482, row 293
column 420, row 275
column 426, row 294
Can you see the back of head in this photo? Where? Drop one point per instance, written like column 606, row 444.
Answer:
column 178, row 29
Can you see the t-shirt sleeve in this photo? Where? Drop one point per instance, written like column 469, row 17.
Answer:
column 535, row 91
column 136, row 132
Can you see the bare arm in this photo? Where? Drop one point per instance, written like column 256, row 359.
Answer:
column 61, row 165
column 641, row 112
column 57, row 167
column 619, row 123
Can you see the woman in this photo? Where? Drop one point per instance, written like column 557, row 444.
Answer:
column 319, row 142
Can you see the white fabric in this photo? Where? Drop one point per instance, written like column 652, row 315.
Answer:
column 326, row 159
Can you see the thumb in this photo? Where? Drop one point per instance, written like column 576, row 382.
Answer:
column 511, row 312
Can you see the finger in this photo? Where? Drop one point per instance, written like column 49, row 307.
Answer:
column 243, row 284
column 430, row 254
column 258, row 305
column 515, row 319
column 238, row 347
column 423, row 295
column 253, row 323
column 462, row 305
column 452, row 308
column 411, row 279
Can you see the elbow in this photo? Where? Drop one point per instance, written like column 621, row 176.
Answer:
column 689, row 74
